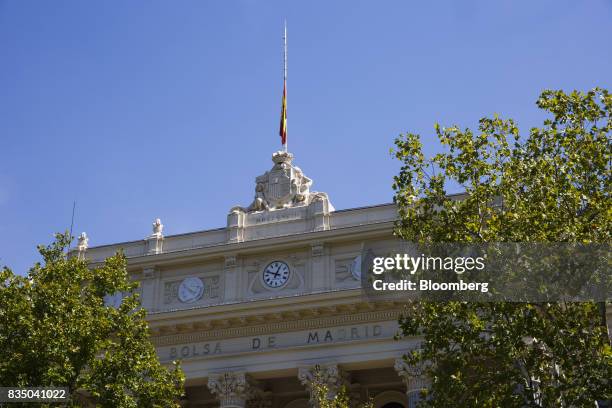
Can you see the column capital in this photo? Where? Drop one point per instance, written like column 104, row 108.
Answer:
column 230, row 261
column 149, row 272
column 317, row 249
column 330, row 376
column 232, row 389
column 414, row 376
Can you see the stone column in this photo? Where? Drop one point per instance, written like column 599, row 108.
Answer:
column 329, row 376
column 148, row 288
column 232, row 389
column 413, row 376
column 318, row 276
column 232, row 281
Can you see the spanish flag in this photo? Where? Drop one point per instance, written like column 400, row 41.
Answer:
column 283, row 120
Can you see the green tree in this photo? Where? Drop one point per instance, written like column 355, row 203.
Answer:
column 321, row 397
column 55, row 330
column 552, row 185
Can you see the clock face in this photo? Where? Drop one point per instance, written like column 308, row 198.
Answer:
column 113, row 300
column 276, row 274
column 190, row 290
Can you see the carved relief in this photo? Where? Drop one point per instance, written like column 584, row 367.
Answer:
column 285, row 185
column 345, row 270
column 211, row 289
column 282, row 197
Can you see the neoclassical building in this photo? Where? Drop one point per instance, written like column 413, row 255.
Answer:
column 252, row 308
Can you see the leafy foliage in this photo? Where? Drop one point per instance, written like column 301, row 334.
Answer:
column 55, row 330
column 552, row 185
column 323, row 398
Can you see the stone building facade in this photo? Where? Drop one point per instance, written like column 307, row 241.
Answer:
column 253, row 308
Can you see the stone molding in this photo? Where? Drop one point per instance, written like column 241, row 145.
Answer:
column 274, row 323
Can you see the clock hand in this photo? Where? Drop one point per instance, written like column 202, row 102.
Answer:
column 191, row 290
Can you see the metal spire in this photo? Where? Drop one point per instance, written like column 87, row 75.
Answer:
column 285, row 71
column 285, row 54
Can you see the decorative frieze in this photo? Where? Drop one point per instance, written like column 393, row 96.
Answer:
column 343, row 270
column 210, row 291
column 277, row 323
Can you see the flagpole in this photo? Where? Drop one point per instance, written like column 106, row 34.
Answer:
column 285, row 75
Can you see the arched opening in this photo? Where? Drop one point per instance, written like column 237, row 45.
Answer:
column 298, row 403
column 393, row 405
column 390, row 399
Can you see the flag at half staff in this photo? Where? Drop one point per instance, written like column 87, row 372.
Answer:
column 283, row 120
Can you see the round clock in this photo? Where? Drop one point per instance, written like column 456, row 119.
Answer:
column 190, row 290
column 113, row 300
column 276, row 274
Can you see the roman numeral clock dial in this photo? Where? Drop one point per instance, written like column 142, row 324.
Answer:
column 276, row 274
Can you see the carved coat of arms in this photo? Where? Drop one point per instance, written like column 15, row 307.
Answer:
column 279, row 187
column 284, row 185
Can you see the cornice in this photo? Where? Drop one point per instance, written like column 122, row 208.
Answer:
column 258, row 306
column 279, row 243
column 278, row 322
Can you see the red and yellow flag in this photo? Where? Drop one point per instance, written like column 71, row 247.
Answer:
column 283, row 120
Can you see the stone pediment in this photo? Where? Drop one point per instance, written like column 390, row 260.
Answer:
column 282, row 195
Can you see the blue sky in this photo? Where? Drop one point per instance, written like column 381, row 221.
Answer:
column 146, row 109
